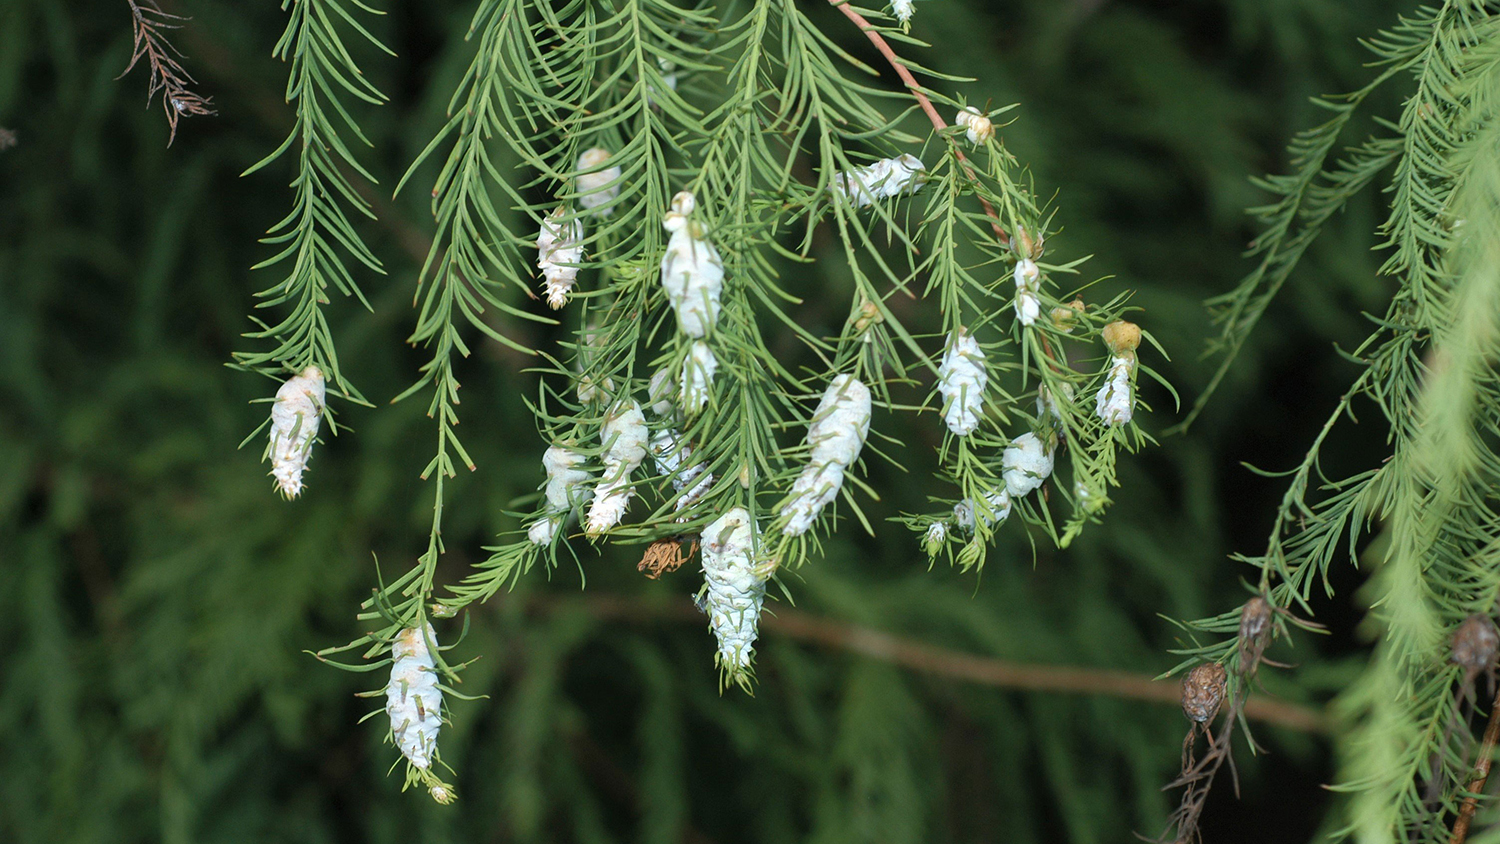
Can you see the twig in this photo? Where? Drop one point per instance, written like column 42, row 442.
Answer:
column 1481, row 774
column 944, row 662
column 922, row 100
column 167, row 74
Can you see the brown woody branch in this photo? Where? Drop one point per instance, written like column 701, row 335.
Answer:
column 922, row 100
column 1481, row 775
column 951, row 664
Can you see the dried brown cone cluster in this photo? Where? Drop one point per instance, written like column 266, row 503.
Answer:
column 167, row 74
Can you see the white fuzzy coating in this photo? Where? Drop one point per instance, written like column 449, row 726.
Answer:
column 672, row 453
column 559, row 248
column 999, row 510
column 884, row 179
column 543, row 530
column 1028, row 283
column 736, row 590
column 1025, row 464
column 598, row 189
column 962, row 378
column 903, row 10
column 659, row 393
column 978, row 128
column 565, row 489
column 837, row 433
column 813, row 490
column 294, row 425
column 937, row 534
column 1048, row 404
column 692, row 274
column 841, row 422
column 624, row 435
column 1115, row 404
column 697, row 377
column 565, row 480
column 412, row 697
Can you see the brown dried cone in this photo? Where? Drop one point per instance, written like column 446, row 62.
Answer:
column 665, row 556
column 1203, row 692
column 1255, row 634
column 1475, row 644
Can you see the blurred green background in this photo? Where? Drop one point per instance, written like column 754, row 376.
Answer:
column 157, row 599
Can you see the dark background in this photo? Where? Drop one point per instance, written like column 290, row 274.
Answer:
column 157, row 600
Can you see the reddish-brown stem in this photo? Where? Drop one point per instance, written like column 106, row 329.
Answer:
column 937, row 661
column 922, row 100
column 1481, row 774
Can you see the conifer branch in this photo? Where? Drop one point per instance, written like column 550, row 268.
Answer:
column 318, row 232
column 922, row 99
column 149, row 24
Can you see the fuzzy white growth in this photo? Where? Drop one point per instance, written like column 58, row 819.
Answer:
column 1115, row 404
column 697, row 377
column 979, row 129
column 671, row 453
column 691, row 271
column 902, row 9
column 1048, row 404
column 1028, row 284
column 999, row 511
column 559, row 249
column 735, row 589
column 565, row 489
column 412, row 698
column 1088, row 500
column 668, row 77
column 624, row 436
column 294, row 426
column 884, row 179
column 837, row 433
column 659, row 393
column 597, row 189
column 961, row 381
column 1025, row 464
column 937, row 534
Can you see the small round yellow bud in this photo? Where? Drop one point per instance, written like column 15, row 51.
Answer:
column 869, row 314
column 1122, row 336
column 442, row 794
column 1065, row 318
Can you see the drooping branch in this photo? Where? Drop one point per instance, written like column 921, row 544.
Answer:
column 922, row 100
column 167, row 74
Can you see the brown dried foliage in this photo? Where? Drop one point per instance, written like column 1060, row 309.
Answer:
column 1204, row 691
column 167, row 74
column 665, row 556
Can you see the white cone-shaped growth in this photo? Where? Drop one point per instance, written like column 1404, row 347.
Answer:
column 961, row 382
column 735, row 589
column 837, row 433
column 412, row 697
column 294, row 425
column 624, row 436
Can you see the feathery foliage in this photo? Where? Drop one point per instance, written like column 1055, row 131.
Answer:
column 1427, row 368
